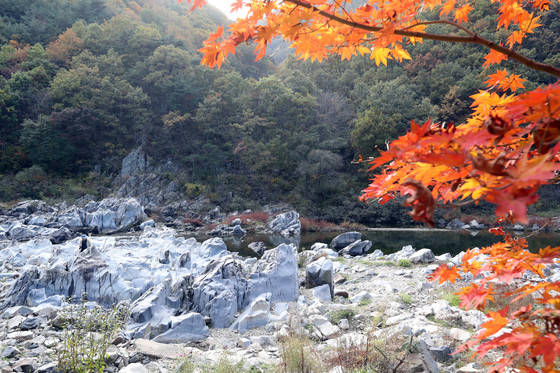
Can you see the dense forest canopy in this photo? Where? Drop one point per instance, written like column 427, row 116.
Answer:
column 84, row 82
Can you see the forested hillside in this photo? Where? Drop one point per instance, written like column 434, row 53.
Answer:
column 84, row 82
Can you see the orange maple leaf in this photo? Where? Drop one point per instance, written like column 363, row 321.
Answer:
column 447, row 7
column 445, row 273
column 462, row 14
column 494, row 57
column 495, row 324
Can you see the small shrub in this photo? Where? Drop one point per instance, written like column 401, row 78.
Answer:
column 452, row 298
column 88, row 332
column 406, row 298
column 383, row 263
column 347, row 314
column 225, row 365
column 365, row 302
column 375, row 355
column 298, row 354
column 186, row 366
column 310, row 225
column 194, row 190
column 405, row 263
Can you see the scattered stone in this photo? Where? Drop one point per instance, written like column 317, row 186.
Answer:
column 10, row 352
column 459, row 335
column 148, row 223
column 323, row 293
column 422, row 256
column 341, row 293
column 25, row 365
column 338, row 279
column 345, row 239
column 158, row 350
column 442, row 353
column 360, row 297
column 134, row 368
column 320, row 273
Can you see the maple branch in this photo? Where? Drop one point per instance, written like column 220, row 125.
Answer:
column 460, row 27
column 473, row 38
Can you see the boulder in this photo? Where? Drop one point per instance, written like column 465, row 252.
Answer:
column 323, row 292
column 320, row 273
column 219, row 292
column 275, row 272
column 134, row 368
column 422, row 256
column 323, row 326
column 238, row 231
column 455, row 224
column 258, row 247
column 147, row 223
column 286, row 224
column 473, row 224
column 158, row 350
column 403, row 253
column 60, row 235
column 185, row 328
column 356, row 248
column 375, row 255
column 257, row 314
column 342, row 240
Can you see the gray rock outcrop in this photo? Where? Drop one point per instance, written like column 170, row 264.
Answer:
column 136, row 162
column 286, row 224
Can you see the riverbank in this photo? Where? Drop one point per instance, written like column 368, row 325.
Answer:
column 196, row 306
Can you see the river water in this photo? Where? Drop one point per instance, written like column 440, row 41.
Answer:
column 390, row 240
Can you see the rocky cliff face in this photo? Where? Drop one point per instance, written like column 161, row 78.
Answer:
column 33, row 219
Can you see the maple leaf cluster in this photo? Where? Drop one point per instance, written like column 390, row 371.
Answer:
column 503, row 153
column 530, row 334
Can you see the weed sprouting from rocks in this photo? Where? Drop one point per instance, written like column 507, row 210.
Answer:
column 298, row 355
column 405, row 263
column 88, row 331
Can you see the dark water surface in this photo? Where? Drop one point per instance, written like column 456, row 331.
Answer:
column 391, row 240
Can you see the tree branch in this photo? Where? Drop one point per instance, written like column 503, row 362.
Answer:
column 472, row 38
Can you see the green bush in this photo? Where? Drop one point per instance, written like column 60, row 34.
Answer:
column 405, row 263
column 88, row 333
column 406, row 298
column 338, row 315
